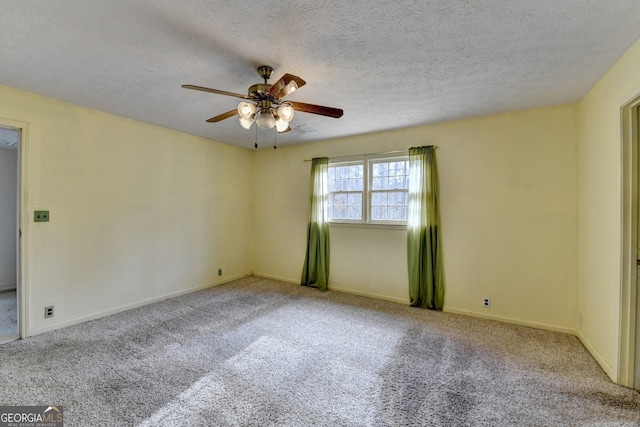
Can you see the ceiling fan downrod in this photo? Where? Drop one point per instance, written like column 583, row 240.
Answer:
column 265, row 72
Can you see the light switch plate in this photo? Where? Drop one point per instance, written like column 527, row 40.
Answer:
column 40, row 216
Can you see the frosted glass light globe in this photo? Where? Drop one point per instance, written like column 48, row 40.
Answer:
column 246, row 122
column 285, row 112
column 281, row 125
column 265, row 119
column 246, row 109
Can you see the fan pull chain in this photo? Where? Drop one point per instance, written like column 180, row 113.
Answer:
column 256, row 145
column 275, row 139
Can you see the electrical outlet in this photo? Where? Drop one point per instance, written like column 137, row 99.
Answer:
column 48, row 312
column 486, row 302
column 40, row 216
column 219, row 272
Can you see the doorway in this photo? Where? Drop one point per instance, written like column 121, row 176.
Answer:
column 9, row 232
column 636, row 137
column 629, row 343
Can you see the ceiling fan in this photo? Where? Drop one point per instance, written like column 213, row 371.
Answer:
column 265, row 104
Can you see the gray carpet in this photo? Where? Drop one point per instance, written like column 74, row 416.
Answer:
column 260, row 352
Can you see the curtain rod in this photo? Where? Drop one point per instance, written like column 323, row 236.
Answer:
column 370, row 154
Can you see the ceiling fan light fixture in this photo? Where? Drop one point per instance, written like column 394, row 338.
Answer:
column 281, row 125
column 246, row 110
column 265, row 119
column 285, row 112
column 264, row 105
column 247, row 122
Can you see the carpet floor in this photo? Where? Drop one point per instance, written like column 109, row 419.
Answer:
column 258, row 352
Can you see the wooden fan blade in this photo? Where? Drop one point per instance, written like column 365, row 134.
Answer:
column 219, row 92
column 223, row 116
column 317, row 109
column 281, row 88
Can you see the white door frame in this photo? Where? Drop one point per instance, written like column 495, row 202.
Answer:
column 23, row 224
column 627, row 351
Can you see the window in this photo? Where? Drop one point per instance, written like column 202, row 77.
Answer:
column 371, row 191
column 345, row 183
column 389, row 190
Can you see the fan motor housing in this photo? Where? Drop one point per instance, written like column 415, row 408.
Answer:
column 259, row 90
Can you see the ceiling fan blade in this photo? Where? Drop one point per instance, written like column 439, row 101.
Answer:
column 223, row 116
column 219, row 92
column 317, row 109
column 282, row 87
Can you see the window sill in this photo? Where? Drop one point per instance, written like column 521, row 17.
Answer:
column 363, row 225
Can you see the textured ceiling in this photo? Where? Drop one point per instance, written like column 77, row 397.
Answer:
column 388, row 64
column 9, row 138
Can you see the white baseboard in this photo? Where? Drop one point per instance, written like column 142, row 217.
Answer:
column 278, row 278
column 9, row 338
column 337, row 289
column 606, row 367
column 370, row 295
column 75, row 321
column 535, row 325
column 7, row 288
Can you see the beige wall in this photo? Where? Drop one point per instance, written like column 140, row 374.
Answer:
column 600, row 153
column 138, row 212
column 509, row 194
column 8, row 191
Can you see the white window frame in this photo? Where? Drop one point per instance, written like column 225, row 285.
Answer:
column 364, row 196
column 367, row 171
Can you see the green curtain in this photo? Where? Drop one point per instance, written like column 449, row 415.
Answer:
column 426, row 287
column 316, row 263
